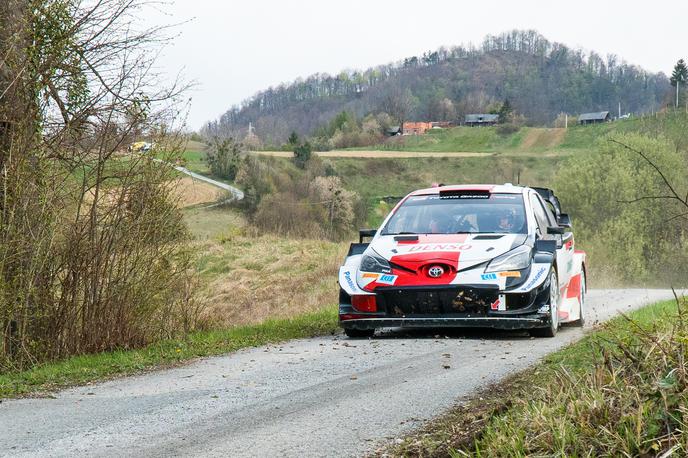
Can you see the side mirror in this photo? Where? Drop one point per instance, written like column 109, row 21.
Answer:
column 556, row 230
column 545, row 246
column 564, row 220
column 363, row 233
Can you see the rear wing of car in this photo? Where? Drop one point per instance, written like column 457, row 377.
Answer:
column 548, row 196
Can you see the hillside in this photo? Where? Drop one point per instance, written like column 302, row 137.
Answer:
column 541, row 79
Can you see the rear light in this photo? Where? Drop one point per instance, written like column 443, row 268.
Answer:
column 364, row 303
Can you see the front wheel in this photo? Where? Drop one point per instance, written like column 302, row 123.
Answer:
column 554, row 296
column 359, row 333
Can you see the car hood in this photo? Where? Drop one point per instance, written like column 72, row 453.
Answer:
column 460, row 251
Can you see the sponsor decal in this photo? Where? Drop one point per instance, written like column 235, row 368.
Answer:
column 349, row 281
column 495, row 275
column 536, row 278
column 513, row 274
column 387, row 279
column 499, row 304
column 440, row 247
column 370, row 275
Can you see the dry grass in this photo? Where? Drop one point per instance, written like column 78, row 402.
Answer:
column 194, row 192
column 249, row 278
column 543, row 138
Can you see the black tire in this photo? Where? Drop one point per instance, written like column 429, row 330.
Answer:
column 359, row 333
column 579, row 323
column 554, row 297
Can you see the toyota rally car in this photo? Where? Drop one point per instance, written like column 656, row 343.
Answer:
column 457, row 256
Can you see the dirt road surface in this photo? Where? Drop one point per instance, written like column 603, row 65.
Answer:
column 326, row 396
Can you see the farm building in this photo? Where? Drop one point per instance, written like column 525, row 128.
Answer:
column 441, row 124
column 393, row 131
column 481, row 119
column 416, row 128
column 594, row 118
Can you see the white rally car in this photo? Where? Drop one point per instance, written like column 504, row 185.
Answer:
column 497, row 256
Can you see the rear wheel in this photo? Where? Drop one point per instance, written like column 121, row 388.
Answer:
column 359, row 333
column 581, row 321
column 554, row 298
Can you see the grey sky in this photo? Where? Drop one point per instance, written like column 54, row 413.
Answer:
column 233, row 49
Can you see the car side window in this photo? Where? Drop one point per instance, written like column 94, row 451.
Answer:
column 540, row 214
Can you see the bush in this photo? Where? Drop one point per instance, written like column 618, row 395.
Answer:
column 223, row 157
column 630, row 238
column 302, row 154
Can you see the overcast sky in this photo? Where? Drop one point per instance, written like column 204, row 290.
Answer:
column 232, row 49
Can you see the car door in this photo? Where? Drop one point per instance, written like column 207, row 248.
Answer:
column 543, row 222
column 565, row 249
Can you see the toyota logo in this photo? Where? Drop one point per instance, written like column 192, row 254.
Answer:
column 435, row 271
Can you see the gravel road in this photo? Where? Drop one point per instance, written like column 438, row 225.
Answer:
column 326, row 396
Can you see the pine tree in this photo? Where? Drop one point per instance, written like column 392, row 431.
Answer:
column 679, row 77
column 680, row 73
column 505, row 112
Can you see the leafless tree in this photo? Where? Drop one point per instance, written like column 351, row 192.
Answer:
column 91, row 242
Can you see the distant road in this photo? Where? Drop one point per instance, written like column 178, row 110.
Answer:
column 326, row 396
column 237, row 193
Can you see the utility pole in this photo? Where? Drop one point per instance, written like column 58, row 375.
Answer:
column 619, row 110
column 566, row 124
column 678, row 82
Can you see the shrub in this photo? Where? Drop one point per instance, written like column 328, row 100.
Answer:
column 631, row 237
column 223, row 157
column 302, row 154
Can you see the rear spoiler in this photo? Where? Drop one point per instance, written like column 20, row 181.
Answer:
column 548, row 196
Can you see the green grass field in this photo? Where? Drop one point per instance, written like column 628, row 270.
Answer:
column 528, row 140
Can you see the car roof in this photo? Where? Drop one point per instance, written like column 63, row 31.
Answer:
column 492, row 188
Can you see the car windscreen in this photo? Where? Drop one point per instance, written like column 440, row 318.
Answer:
column 434, row 214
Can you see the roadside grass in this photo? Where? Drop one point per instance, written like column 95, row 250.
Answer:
column 247, row 277
column 250, row 278
column 84, row 369
column 621, row 391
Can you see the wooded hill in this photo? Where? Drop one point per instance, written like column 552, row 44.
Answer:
column 541, row 79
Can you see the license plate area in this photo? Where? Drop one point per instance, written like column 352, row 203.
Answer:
column 448, row 301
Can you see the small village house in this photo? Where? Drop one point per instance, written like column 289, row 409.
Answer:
column 415, row 128
column 481, row 119
column 594, row 118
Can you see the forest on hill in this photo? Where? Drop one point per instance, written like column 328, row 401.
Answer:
column 541, row 79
